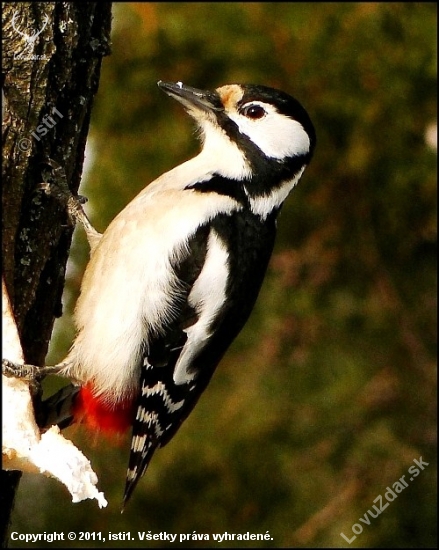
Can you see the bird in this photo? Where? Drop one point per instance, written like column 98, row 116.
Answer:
column 173, row 279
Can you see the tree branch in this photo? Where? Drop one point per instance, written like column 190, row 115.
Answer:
column 51, row 56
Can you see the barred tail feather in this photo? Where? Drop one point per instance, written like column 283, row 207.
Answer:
column 142, row 450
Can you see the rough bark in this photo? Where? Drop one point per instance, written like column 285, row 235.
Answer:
column 51, row 58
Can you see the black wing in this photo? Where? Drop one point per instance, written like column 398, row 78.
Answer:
column 163, row 405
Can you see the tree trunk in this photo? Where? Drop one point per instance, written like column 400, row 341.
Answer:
column 52, row 54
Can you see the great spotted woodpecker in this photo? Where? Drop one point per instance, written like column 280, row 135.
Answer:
column 173, row 279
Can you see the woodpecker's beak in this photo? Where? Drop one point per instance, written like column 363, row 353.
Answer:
column 192, row 98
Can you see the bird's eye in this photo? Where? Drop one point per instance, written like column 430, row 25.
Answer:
column 253, row 111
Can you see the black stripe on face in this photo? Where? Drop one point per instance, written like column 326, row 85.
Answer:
column 267, row 173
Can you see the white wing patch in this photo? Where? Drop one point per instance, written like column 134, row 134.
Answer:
column 207, row 297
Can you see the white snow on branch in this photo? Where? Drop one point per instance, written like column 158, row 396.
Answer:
column 24, row 447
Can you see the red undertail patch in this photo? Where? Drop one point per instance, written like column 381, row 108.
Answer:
column 98, row 414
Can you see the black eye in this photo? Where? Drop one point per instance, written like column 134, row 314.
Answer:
column 253, row 111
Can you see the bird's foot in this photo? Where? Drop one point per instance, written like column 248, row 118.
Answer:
column 60, row 191
column 29, row 373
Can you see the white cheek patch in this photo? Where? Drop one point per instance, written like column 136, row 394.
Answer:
column 276, row 135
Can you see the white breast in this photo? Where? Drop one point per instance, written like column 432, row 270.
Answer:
column 129, row 288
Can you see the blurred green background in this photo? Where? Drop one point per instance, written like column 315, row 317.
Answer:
column 329, row 393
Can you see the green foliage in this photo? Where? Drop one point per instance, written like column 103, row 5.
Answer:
column 327, row 396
